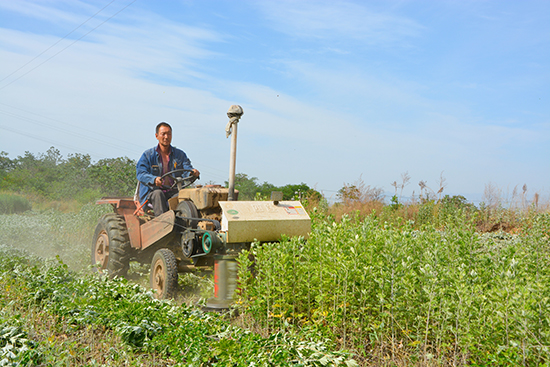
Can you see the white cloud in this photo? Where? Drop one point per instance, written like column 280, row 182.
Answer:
column 104, row 95
column 48, row 10
column 337, row 19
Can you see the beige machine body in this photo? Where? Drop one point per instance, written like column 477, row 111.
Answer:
column 264, row 221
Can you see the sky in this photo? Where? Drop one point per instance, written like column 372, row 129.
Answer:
column 333, row 92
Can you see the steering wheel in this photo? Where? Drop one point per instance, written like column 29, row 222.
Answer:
column 180, row 182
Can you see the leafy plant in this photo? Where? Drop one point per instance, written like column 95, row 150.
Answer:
column 386, row 290
column 177, row 334
column 11, row 203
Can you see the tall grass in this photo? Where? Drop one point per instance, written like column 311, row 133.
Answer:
column 12, row 203
column 400, row 296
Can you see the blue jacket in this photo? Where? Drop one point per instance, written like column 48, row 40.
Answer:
column 149, row 167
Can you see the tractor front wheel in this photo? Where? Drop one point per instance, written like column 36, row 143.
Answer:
column 164, row 274
column 111, row 249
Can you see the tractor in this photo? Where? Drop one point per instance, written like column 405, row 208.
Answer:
column 206, row 227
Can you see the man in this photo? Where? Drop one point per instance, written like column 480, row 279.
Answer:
column 157, row 161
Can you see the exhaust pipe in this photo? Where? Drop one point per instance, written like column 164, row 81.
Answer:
column 234, row 113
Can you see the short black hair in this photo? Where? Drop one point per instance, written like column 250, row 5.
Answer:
column 162, row 124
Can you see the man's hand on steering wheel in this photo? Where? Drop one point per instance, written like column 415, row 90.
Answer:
column 185, row 181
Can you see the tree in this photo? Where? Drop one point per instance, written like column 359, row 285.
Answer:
column 54, row 177
column 299, row 192
column 74, row 179
column 6, row 165
column 31, row 174
column 247, row 186
column 250, row 189
column 115, row 176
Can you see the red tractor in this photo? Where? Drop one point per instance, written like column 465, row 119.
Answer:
column 201, row 229
column 205, row 226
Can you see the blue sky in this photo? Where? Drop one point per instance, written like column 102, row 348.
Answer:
column 333, row 91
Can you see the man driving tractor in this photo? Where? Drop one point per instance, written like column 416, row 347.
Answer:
column 156, row 187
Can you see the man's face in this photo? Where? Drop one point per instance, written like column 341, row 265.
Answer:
column 164, row 136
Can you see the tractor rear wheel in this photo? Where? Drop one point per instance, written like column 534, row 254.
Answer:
column 164, row 274
column 111, row 249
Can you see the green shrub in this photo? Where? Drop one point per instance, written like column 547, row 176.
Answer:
column 11, row 204
column 432, row 296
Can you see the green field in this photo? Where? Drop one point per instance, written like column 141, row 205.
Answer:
column 396, row 295
column 362, row 290
column 57, row 312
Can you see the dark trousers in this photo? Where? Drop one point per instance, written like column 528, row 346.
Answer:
column 159, row 200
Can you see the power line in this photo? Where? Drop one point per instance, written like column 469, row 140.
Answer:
column 87, row 135
column 102, row 141
column 211, row 171
column 61, row 39
column 63, row 49
column 27, row 134
column 214, row 173
column 83, row 136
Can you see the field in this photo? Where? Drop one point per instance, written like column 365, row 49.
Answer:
column 57, row 312
column 369, row 290
column 396, row 295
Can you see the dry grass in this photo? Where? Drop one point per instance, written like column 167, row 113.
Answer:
column 506, row 212
column 497, row 212
column 357, row 199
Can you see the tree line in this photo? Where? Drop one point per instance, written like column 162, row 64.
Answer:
column 251, row 189
column 51, row 176
column 76, row 177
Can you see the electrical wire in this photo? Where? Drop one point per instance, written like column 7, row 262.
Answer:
column 61, row 39
column 72, row 43
column 213, row 172
column 49, row 141
column 65, row 131
column 88, row 132
column 86, row 136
